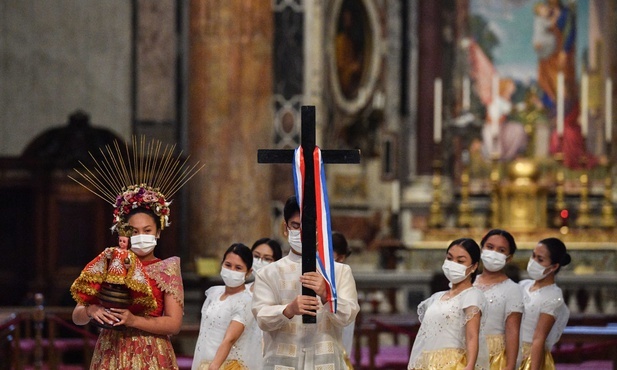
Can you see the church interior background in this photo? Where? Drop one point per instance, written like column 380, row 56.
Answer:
column 468, row 116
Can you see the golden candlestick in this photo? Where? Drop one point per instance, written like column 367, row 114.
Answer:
column 608, row 215
column 494, row 206
column 583, row 220
column 464, row 208
column 436, row 218
column 560, row 203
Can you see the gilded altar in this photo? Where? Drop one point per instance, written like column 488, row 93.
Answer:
column 534, row 199
column 522, row 200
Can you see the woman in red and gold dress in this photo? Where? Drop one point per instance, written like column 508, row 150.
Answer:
column 136, row 333
column 143, row 340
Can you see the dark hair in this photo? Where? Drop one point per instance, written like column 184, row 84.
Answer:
column 241, row 250
column 277, row 252
column 557, row 250
column 291, row 208
column 472, row 248
column 149, row 212
column 509, row 238
column 339, row 244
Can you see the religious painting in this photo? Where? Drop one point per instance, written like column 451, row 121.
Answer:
column 353, row 52
column 354, row 74
column 350, row 47
column 526, row 64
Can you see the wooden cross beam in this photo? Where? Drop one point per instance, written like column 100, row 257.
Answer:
column 309, row 211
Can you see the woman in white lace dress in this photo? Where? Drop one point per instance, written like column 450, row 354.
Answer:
column 504, row 298
column 449, row 337
column 227, row 337
column 546, row 313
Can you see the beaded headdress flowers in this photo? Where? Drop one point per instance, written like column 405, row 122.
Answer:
column 145, row 175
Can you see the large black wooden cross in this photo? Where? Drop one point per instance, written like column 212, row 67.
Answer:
column 309, row 212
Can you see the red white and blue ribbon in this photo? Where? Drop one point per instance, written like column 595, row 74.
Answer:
column 325, row 256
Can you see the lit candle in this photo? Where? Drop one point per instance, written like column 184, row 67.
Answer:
column 437, row 112
column 466, row 96
column 560, row 105
column 584, row 104
column 494, row 101
column 495, row 113
column 396, row 196
column 609, row 110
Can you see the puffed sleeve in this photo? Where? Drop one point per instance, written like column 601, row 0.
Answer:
column 241, row 312
column 473, row 302
column 514, row 299
column 473, row 297
column 208, row 300
column 551, row 305
column 425, row 304
column 168, row 277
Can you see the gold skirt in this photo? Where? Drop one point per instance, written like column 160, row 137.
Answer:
column 348, row 362
column 497, row 351
column 443, row 359
column 227, row 365
column 132, row 349
column 549, row 363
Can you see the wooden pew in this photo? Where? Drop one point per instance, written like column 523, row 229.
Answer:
column 9, row 331
column 31, row 336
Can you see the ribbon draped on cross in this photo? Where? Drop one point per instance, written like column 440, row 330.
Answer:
column 325, row 256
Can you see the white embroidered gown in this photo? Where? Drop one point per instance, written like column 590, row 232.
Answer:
column 440, row 343
column 548, row 300
column 216, row 315
column 502, row 299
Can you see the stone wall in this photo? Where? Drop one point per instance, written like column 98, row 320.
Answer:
column 58, row 56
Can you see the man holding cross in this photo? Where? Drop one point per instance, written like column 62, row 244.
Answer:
column 278, row 306
column 290, row 296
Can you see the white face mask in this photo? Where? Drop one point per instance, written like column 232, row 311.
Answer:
column 492, row 260
column 143, row 244
column 232, row 279
column 455, row 272
column 258, row 263
column 536, row 270
column 295, row 240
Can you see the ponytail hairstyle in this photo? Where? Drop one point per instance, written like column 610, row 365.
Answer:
column 558, row 253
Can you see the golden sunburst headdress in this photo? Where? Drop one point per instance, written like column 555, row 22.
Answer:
column 146, row 175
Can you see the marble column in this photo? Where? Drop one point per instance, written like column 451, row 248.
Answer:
column 230, row 117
